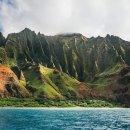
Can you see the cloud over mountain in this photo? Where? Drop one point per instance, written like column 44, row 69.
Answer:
column 89, row 17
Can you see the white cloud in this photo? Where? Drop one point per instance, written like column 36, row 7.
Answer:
column 89, row 17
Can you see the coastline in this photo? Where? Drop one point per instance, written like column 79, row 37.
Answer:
column 64, row 108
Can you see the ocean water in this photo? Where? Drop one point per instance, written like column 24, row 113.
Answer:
column 38, row 119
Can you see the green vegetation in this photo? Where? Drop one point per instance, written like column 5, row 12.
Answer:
column 30, row 102
column 59, row 67
column 74, row 54
column 3, row 56
column 39, row 85
column 105, row 78
column 50, row 83
column 111, row 70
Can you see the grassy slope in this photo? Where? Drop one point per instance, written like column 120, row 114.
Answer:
column 104, row 79
column 49, row 83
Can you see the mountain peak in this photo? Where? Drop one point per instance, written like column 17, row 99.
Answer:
column 112, row 36
column 108, row 36
column 1, row 35
column 27, row 29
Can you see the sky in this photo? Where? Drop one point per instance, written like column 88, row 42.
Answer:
column 50, row 17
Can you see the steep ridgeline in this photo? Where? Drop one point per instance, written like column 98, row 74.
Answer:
column 2, row 40
column 52, row 67
column 74, row 54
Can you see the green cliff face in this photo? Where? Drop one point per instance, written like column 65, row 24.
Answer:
column 49, row 83
column 55, row 66
column 2, row 40
column 74, row 54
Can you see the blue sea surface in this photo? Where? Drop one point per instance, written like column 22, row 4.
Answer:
column 39, row 119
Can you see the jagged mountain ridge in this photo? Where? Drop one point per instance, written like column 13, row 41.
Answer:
column 52, row 65
column 74, row 54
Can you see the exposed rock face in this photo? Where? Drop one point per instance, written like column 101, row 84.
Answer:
column 84, row 91
column 10, row 85
column 19, row 73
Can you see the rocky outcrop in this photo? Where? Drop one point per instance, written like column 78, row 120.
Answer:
column 10, row 86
